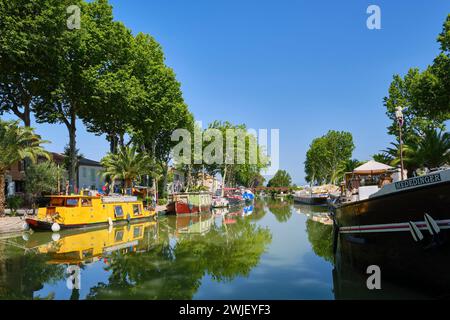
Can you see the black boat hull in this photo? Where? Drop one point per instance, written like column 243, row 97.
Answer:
column 313, row 201
column 378, row 232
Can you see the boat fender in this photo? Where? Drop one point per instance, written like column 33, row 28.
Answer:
column 26, row 236
column 128, row 218
column 110, row 222
column 56, row 227
column 432, row 226
column 56, row 237
column 415, row 232
column 25, row 226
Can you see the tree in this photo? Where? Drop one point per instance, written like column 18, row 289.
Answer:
column 117, row 93
column 43, row 178
column 424, row 95
column 280, row 179
column 163, row 110
column 127, row 165
column 77, row 54
column 26, row 48
column 241, row 156
column 352, row 164
column 16, row 143
column 328, row 156
column 383, row 158
column 430, row 150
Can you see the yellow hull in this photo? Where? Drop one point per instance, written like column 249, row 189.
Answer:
column 80, row 212
column 79, row 247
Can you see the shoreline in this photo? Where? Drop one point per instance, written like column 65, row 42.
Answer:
column 13, row 225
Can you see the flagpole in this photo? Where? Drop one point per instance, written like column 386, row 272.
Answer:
column 399, row 116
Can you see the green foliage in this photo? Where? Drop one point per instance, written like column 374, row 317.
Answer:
column 14, row 203
column 424, row 95
column 17, row 143
column 431, row 150
column 162, row 201
column 383, row 158
column 321, row 238
column 328, row 157
column 127, row 165
column 280, row 179
column 42, row 178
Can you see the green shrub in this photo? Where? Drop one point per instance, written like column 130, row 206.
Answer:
column 14, row 203
column 162, row 201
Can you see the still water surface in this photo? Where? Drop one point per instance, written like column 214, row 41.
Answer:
column 272, row 250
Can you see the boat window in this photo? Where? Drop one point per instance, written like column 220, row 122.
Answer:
column 118, row 211
column 136, row 209
column 137, row 232
column 57, row 202
column 118, row 236
column 85, row 202
column 87, row 253
column 72, row 202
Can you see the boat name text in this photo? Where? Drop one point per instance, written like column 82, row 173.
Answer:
column 418, row 181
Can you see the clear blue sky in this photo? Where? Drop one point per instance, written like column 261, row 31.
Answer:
column 303, row 67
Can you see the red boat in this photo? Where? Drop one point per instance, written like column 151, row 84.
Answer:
column 189, row 203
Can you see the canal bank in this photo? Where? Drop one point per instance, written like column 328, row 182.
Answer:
column 12, row 225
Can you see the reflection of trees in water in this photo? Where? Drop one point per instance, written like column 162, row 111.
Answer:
column 307, row 209
column 258, row 211
column 321, row 238
column 175, row 272
column 21, row 275
column 280, row 209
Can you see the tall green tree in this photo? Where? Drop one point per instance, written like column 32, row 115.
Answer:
column 43, row 178
column 128, row 165
column 328, row 156
column 16, row 144
column 26, row 49
column 76, row 55
column 424, row 95
column 280, row 179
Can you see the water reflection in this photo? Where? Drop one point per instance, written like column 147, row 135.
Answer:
column 271, row 250
column 141, row 261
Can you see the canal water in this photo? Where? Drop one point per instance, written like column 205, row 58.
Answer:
column 272, row 250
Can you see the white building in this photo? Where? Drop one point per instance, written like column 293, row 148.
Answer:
column 89, row 175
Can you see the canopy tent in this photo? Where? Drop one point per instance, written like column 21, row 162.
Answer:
column 372, row 167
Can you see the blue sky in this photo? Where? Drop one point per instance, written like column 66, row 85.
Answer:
column 303, row 67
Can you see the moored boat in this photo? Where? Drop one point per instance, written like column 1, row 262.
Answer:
column 309, row 198
column 402, row 226
column 219, row 202
column 189, row 202
column 75, row 211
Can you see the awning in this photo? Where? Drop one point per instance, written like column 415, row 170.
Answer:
column 372, row 167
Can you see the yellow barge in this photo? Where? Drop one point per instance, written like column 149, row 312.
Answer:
column 68, row 212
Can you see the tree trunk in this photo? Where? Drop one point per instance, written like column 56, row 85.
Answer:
column 165, row 173
column 223, row 180
column 27, row 115
column 122, row 140
column 72, row 153
column 2, row 194
column 112, row 143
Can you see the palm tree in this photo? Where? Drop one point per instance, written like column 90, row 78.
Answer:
column 17, row 143
column 433, row 149
column 430, row 150
column 127, row 165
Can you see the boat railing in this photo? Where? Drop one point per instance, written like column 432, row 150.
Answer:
column 114, row 199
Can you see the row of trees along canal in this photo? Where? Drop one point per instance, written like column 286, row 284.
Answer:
column 116, row 83
column 425, row 99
